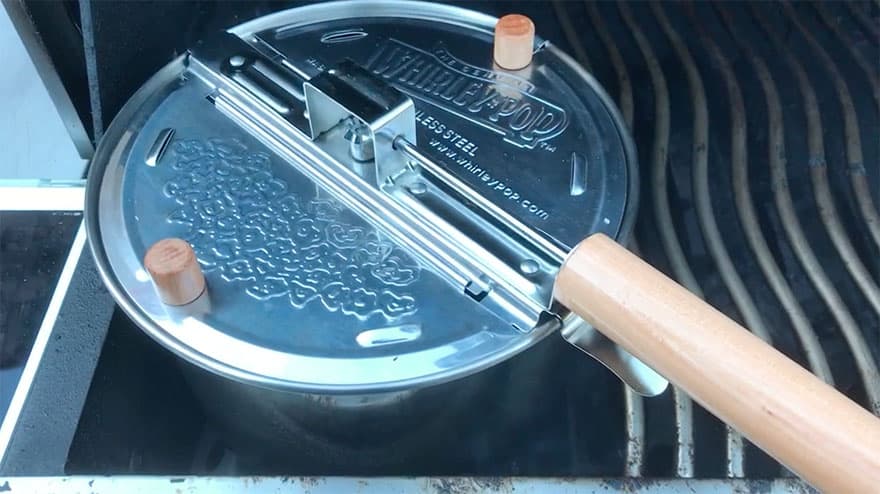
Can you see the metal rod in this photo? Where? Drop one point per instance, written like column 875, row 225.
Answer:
column 684, row 431
column 682, row 272
column 88, row 36
column 625, row 99
column 706, row 218
column 867, row 23
column 635, row 432
column 855, row 340
column 113, row 484
column 867, row 67
column 748, row 217
column 571, row 35
column 412, row 151
column 635, row 415
column 677, row 259
column 858, row 178
column 745, row 206
column 634, row 403
column 705, row 211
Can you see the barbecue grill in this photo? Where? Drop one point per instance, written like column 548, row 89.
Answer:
column 756, row 131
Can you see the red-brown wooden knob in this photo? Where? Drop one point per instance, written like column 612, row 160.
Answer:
column 514, row 39
column 175, row 270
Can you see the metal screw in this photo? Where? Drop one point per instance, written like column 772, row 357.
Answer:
column 528, row 266
column 418, row 188
column 236, row 61
column 360, row 142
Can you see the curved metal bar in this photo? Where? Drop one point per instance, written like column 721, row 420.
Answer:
column 625, row 99
column 571, row 35
column 635, row 415
column 706, row 216
column 867, row 67
column 705, row 211
column 683, row 405
column 635, row 432
column 659, row 157
column 867, row 23
column 858, row 179
column 855, row 340
column 748, row 217
column 634, row 403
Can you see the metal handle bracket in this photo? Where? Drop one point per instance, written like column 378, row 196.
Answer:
column 381, row 114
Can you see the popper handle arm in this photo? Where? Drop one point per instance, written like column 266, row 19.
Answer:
column 828, row 440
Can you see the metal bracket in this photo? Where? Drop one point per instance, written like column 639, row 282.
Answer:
column 381, row 113
column 629, row 369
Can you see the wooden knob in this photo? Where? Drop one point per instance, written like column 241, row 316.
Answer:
column 514, row 39
column 175, row 270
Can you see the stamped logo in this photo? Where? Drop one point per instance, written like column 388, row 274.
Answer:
column 497, row 101
column 245, row 224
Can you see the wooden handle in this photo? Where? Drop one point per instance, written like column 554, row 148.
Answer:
column 795, row 417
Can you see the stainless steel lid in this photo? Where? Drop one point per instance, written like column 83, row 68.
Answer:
column 312, row 288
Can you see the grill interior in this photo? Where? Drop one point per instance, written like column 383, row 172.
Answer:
column 757, row 129
column 756, row 126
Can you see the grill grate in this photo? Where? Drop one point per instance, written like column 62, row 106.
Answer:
column 751, row 123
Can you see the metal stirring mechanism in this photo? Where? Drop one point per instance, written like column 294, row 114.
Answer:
column 386, row 119
column 511, row 271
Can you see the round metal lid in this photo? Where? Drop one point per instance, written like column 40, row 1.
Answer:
column 302, row 292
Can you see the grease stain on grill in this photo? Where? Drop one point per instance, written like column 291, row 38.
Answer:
column 245, row 224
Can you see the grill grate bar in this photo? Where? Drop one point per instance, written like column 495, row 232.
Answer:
column 625, row 100
column 568, row 29
column 635, row 432
column 739, row 167
column 858, row 179
column 867, row 23
column 684, row 463
column 864, row 361
column 633, row 402
column 706, row 215
column 748, row 217
column 861, row 61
